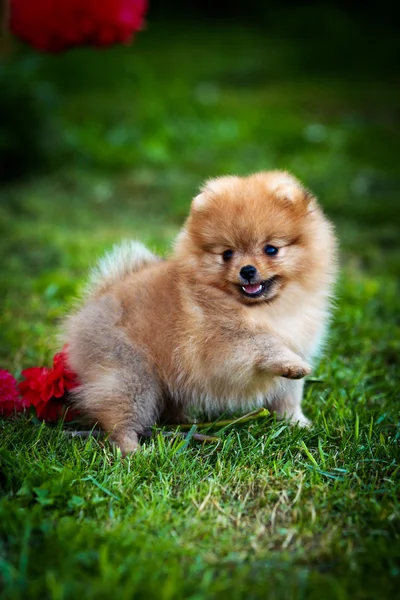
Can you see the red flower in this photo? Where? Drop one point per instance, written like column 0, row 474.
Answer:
column 10, row 400
column 54, row 25
column 45, row 387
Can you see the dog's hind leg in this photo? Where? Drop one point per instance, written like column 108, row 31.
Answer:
column 120, row 389
column 123, row 402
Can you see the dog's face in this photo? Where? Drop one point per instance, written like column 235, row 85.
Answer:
column 250, row 237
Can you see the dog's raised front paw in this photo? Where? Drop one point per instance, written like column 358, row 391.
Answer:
column 294, row 370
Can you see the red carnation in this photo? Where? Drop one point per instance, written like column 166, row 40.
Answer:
column 44, row 387
column 53, row 26
column 10, row 400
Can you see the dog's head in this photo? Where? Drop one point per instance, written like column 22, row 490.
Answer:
column 251, row 236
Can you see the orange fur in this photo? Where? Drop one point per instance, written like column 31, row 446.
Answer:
column 158, row 339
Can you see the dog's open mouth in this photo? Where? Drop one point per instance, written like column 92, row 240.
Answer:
column 253, row 290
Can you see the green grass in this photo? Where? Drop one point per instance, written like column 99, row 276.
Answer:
column 270, row 511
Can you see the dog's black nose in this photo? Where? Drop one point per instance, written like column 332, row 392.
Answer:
column 248, row 272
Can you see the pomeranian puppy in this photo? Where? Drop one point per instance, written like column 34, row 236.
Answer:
column 230, row 322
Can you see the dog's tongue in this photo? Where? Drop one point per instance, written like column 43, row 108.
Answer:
column 252, row 288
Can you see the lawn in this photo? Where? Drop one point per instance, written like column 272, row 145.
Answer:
column 270, row 510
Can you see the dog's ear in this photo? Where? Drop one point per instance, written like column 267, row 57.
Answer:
column 287, row 188
column 199, row 201
column 213, row 188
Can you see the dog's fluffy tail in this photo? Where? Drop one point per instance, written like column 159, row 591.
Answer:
column 124, row 258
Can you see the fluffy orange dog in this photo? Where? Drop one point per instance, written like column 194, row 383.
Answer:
column 231, row 321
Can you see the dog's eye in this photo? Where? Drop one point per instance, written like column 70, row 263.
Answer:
column 271, row 250
column 227, row 255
